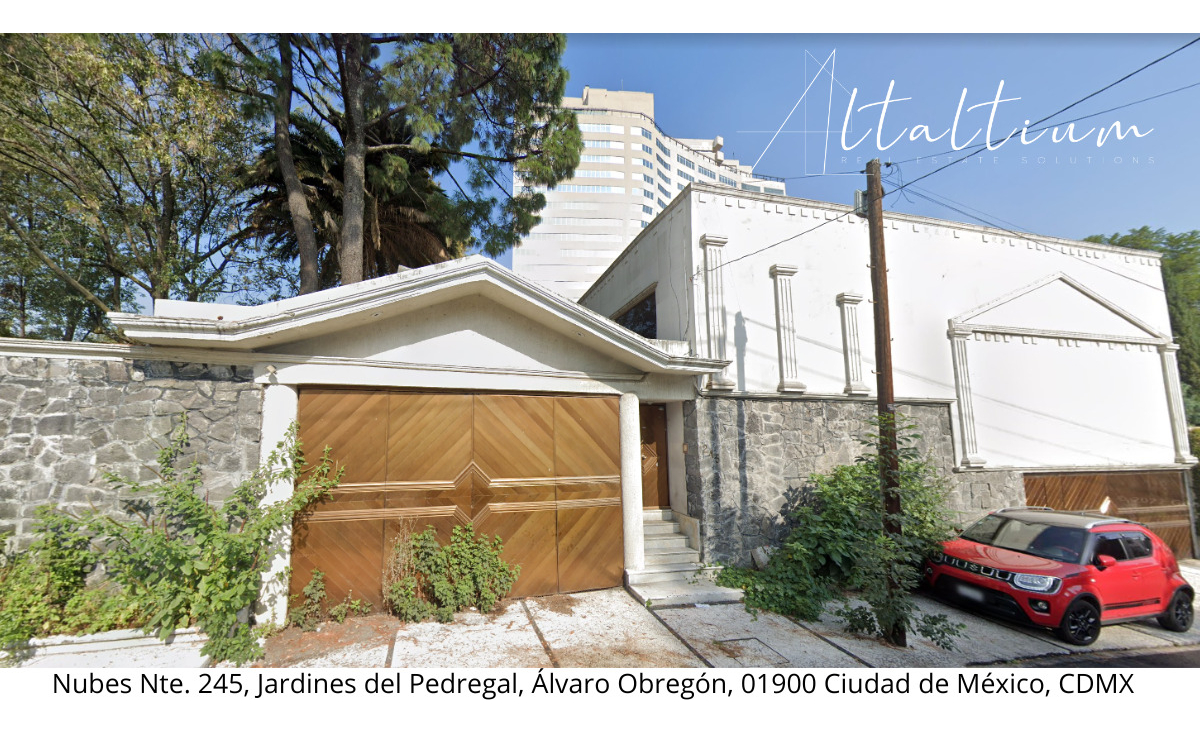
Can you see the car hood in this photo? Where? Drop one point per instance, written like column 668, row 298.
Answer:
column 1002, row 559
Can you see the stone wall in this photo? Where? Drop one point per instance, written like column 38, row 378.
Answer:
column 748, row 458
column 64, row 423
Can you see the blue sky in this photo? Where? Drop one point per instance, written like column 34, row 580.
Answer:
column 738, row 86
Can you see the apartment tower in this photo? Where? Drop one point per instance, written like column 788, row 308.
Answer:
column 629, row 171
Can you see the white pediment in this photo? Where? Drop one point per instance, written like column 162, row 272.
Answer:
column 1057, row 305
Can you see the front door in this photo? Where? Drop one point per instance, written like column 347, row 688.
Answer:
column 655, row 491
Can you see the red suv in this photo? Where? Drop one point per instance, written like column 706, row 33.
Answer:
column 1070, row 571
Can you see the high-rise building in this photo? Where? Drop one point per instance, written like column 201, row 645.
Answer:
column 629, row 171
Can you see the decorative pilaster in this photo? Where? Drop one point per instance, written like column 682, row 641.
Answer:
column 851, row 351
column 630, row 421
column 1179, row 431
column 785, row 329
column 962, row 388
column 714, row 301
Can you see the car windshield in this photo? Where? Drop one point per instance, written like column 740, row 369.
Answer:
column 1033, row 538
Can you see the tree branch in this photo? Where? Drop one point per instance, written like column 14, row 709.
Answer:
column 75, row 284
column 456, row 153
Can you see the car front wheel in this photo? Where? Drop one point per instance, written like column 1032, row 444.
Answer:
column 1080, row 624
column 1179, row 613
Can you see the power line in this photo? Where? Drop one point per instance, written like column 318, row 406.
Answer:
column 959, row 160
column 1063, row 122
column 1034, row 126
column 1064, row 109
column 932, row 197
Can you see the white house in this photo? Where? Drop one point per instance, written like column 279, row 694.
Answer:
column 1039, row 370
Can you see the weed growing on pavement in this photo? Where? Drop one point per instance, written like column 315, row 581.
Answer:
column 349, row 607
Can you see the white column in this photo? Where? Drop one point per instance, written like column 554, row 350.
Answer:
column 962, row 387
column 785, row 329
column 279, row 410
column 1179, row 431
column 714, row 301
column 631, row 482
column 851, row 350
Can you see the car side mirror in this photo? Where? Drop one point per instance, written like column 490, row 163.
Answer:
column 1105, row 562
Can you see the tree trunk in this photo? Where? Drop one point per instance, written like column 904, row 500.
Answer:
column 306, row 235
column 350, row 249
column 23, row 307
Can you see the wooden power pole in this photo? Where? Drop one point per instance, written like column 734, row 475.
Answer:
column 889, row 456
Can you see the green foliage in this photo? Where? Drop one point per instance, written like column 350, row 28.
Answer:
column 128, row 166
column 429, row 579
column 470, row 108
column 181, row 561
column 405, row 601
column 309, row 612
column 349, row 607
column 43, row 590
column 839, row 544
column 1181, row 280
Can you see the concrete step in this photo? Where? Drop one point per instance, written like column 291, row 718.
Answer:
column 672, row 556
column 659, row 515
column 666, row 542
column 683, row 593
column 683, row 571
column 653, row 528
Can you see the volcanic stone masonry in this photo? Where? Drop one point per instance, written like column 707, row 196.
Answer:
column 65, row 423
column 768, row 448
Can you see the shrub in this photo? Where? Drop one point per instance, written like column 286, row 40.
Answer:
column 426, row 579
column 308, row 613
column 838, row 544
column 180, row 561
column 349, row 607
column 43, row 590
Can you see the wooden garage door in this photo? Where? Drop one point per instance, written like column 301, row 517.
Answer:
column 540, row 471
column 1157, row 499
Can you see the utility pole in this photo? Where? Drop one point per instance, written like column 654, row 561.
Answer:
column 889, row 455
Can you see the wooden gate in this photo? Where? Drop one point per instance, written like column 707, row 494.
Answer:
column 542, row 472
column 1157, row 499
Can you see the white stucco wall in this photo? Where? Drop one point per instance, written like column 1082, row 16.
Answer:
column 1037, row 403
column 654, row 257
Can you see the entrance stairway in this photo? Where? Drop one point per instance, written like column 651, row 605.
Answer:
column 674, row 575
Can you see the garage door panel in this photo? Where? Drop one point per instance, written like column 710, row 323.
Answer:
column 429, row 436
column 350, row 553
column 354, row 424
column 1157, row 499
column 529, row 541
column 350, row 499
column 514, row 436
column 590, row 548
column 541, row 472
column 584, row 430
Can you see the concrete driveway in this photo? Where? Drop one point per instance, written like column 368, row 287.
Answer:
column 608, row 628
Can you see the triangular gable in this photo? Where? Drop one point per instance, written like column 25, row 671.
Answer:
column 330, row 312
column 1058, row 304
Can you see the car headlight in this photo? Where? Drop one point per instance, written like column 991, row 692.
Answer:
column 1037, row 583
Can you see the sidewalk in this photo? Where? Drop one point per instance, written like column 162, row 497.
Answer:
column 608, row 628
